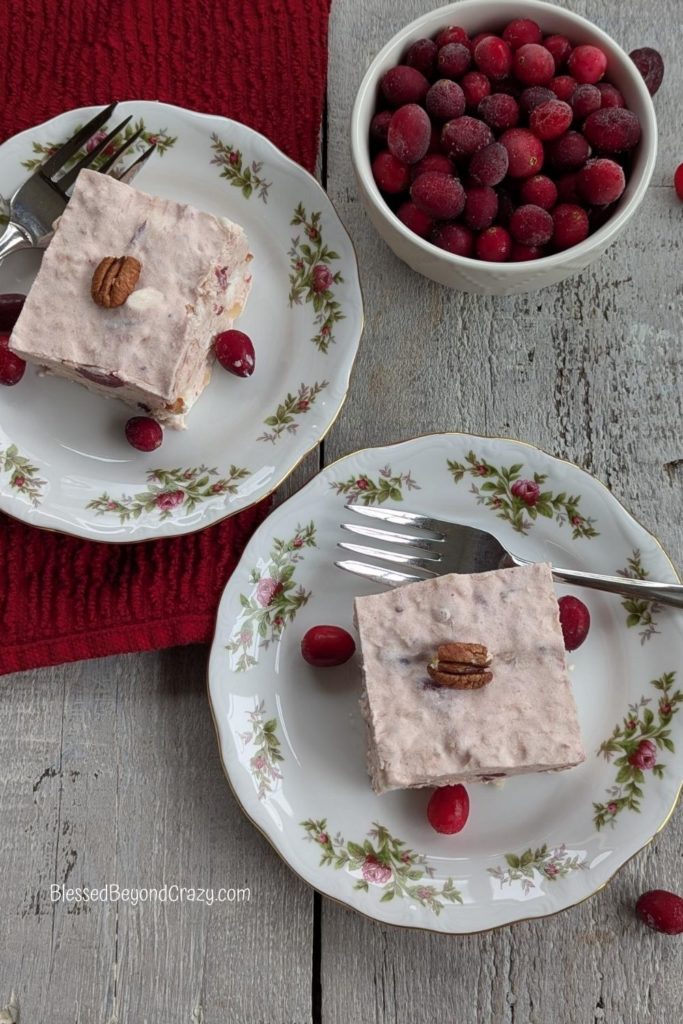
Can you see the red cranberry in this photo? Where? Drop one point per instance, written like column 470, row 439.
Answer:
column 525, row 152
column 571, row 225
column 445, row 100
column 11, row 366
column 662, row 911
column 379, row 127
column 448, row 809
column 489, row 165
column 403, row 84
column 563, row 86
column 567, row 191
column 569, row 152
column 521, row 31
column 493, row 56
column 534, row 96
column 575, row 621
column 481, row 207
column 415, row 219
column 551, row 119
column 601, row 181
column 539, row 191
column 452, row 34
column 559, row 47
column 409, row 133
column 454, row 238
column 234, row 349
column 325, row 646
column 438, row 195
column 478, row 38
column 11, row 305
column 432, row 162
column 390, row 174
column 499, row 111
column 144, row 433
column 493, row 245
column 587, row 64
column 585, row 99
column 422, row 56
column 534, row 65
column 463, row 136
column 678, row 181
column 613, row 129
column 523, row 253
column 453, row 60
column 651, row 66
column 610, row 95
column 531, row 225
column 475, row 86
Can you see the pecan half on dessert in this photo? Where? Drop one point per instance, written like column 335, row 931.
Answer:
column 114, row 280
column 461, row 666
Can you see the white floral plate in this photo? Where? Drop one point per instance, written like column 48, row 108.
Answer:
column 292, row 739
column 64, row 461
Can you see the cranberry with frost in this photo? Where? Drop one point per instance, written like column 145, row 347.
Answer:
column 11, row 305
column 478, row 38
column 409, row 133
column 144, row 433
column 453, row 60
column 521, row 31
column 493, row 56
column 422, row 56
column 415, row 219
column 499, row 111
column 379, row 126
column 559, row 47
column 452, row 34
column 531, row 225
column 453, row 238
column 587, row 64
column 12, row 368
column 551, row 119
column 651, row 66
column 662, row 911
column 440, row 196
column 432, row 162
column 524, row 253
column 678, row 182
column 489, row 165
column 612, row 129
column 327, row 646
column 575, row 621
column 610, row 95
column 464, row 136
column 448, row 809
column 234, row 349
column 569, row 152
column 533, row 64
column 525, row 152
column 570, row 225
column 533, row 96
column 563, row 86
column 445, row 100
column 494, row 245
column 585, row 99
column 481, row 207
column 601, row 181
column 475, row 86
column 539, row 190
column 403, row 84
column 391, row 175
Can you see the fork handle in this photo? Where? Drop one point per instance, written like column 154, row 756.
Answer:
column 12, row 240
column 644, row 590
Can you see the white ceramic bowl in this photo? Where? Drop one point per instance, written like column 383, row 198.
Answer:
column 477, row 276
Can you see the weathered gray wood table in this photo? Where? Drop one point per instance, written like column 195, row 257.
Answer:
column 110, row 771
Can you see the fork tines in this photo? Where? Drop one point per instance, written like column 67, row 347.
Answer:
column 428, row 565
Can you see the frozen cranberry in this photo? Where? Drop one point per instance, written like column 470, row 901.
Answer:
column 11, row 366
column 521, row 31
column 481, row 207
column 551, row 119
column 651, row 66
column 585, row 99
column 523, row 253
column 475, row 86
column 569, row 152
column 438, row 195
column 448, row 809
column 500, row 111
column 587, row 64
column 478, row 38
column 234, row 349
column 601, row 181
column 414, row 219
column 534, row 65
column 575, row 621
column 559, row 47
column 390, row 174
column 432, row 162
column 422, row 56
column 464, row 136
column 445, row 100
column 525, row 152
column 678, row 182
column 409, row 133
column 567, row 191
column 144, row 433
column 379, row 127
column 452, row 34
column 494, row 245
column 610, row 95
column 453, row 60
column 534, row 96
column 540, row 191
column 493, row 56
column 454, row 238
column 326, row 646
column 531, row 225
column 613, row 129
column 662, row 911
column 403, row 84
column 571, row 225
column 11, row 305
column 563, row 86
column 489, row 165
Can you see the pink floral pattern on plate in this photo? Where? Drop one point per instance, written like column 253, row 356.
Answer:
column 366, row 490
column 285, row 416
column 546, row 864
column 170, row 491
column 247, row 177
column 159, row 137
column 638, row 612
column 23, row 475
column 311, row 278
column 264, row 760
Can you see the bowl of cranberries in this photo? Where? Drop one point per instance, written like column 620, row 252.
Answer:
column 498, row 155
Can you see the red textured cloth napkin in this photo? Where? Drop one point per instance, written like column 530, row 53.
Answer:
column 262, row 62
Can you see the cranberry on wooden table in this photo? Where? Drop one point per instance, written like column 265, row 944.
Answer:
column 662, row 911
column 327, row 646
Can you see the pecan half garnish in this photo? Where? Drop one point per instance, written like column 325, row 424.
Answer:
column 461, row 666
column 114, row 280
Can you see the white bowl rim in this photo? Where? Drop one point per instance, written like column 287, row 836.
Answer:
column 599, row 238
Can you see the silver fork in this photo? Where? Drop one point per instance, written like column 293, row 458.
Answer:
column 451, row 547
column 42, row 198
